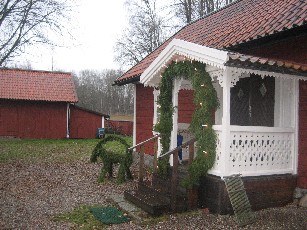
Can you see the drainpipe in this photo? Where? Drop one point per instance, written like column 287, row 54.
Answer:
column 67, row 120
column 102, row 121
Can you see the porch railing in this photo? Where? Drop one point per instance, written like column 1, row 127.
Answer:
column 142, row 154
column 254, row 151
column 174, row 180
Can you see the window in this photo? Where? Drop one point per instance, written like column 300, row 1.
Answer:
column 252, row 102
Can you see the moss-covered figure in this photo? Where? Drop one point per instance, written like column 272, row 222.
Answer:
column 112, row 150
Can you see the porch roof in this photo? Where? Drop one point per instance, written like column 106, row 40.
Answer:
column 271, row 65
column 240, row 22
column 179, row 50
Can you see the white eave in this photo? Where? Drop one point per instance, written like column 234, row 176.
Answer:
column 179, row 49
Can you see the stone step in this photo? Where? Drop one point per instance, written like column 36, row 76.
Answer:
column 151, row 202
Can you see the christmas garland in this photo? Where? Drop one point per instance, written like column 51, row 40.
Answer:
column 206, row 101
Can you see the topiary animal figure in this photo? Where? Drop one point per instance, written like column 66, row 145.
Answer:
column 112, row 150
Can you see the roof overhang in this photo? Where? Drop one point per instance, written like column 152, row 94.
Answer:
column 217, row 61
column 179, row 50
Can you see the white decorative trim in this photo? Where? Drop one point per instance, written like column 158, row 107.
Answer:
column 220, row 78
column 234, row 77
column 215, row 73
column 188, row 50
column 239, row 71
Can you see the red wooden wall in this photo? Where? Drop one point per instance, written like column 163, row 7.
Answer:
column 302, row 157
column 28, row 119
column 292, row 49
column 186, row 106
column 83, row 123
column 125, row 127
column 145, row 112
column 144, row 115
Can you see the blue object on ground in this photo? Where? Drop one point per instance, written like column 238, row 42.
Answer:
column 179, row 142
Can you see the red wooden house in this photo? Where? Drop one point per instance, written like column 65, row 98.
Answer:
column 256, row 54
column 39, row 104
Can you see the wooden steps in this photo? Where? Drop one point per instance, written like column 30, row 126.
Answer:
column 148, row 199
column 156, row 198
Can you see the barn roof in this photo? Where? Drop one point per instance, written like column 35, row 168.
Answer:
column 106, row 116
column 238, row 23
column 37, row 85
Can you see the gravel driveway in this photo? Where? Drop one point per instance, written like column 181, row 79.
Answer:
column 31, row 194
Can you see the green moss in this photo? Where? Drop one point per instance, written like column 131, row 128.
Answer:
column 81, row 218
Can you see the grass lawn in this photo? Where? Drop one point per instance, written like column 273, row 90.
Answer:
column 66, row 150
column 81, row 218
column 118, row 117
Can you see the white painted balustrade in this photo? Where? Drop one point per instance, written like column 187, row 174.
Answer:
column 254, row 151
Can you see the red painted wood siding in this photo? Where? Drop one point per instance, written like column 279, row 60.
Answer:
column 145, row 112
column 144, row 115
column 292, row 49
column 28, row 119
column 125, row 127
column 83, row 124
column 302, row 157
column 186, row 106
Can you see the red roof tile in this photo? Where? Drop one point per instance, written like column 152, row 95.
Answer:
column 242, row 60
column 37, row 85
column 237, row 23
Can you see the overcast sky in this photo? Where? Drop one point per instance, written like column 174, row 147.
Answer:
column 97, row 26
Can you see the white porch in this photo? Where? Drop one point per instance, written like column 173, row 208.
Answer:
column 246, row 150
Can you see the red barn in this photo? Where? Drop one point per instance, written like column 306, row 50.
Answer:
column 35, row 104
column 40, row 104
column 255, row 52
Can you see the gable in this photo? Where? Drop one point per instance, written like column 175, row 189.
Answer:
column 37, row 85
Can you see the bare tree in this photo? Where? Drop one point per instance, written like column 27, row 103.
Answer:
column 95, row 92
column 28, row 22
column 147, row 30
column 184, row 9
column 190, row 10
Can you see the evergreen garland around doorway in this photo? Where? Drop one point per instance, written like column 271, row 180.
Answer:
column 206, row 102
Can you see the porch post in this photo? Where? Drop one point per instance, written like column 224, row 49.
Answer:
column 225, row 137
column 173, row 144
column 296, row 125
column 134, row 115
column 156, row 93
